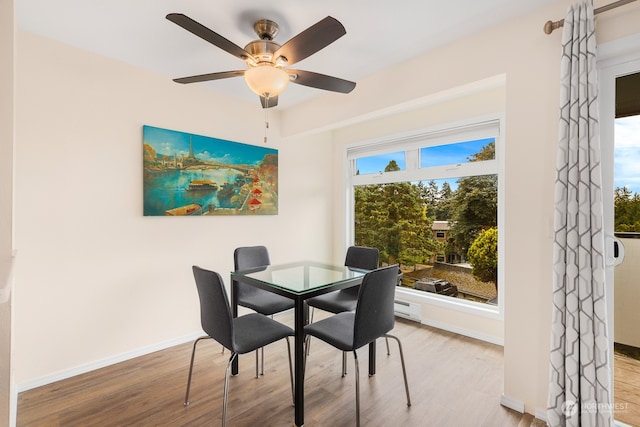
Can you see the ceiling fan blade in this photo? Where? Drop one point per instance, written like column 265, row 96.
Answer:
column 208, row 35
column 321, row 81
column 311, row 40
column 210, row 76
column 272, row 101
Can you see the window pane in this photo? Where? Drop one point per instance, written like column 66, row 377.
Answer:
column 381, row 163
column 626, row 178
column 461, row 152
column 438, row 230
column 437, row 217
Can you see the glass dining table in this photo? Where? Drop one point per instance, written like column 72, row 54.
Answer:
column 299, row 281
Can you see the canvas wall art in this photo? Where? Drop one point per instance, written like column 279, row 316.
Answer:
column 188, row 174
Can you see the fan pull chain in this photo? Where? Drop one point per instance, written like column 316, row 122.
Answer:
column 266, row 121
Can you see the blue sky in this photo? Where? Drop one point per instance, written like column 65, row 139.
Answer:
column 449, row 154
column 627, row 153
column 172, row 142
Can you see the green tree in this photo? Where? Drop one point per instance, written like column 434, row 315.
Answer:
column 483, row 256
column 392, row 218
column 627, row 210
column 488, row 152
column 474, row 205
column 443, row 209
column 430, row 195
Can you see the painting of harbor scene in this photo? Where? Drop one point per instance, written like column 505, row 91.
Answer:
column 187, row 174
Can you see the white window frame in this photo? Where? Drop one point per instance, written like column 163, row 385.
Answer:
column 490, row 126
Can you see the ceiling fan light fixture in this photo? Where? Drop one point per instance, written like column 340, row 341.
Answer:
column 266, row 80
column 266, row 60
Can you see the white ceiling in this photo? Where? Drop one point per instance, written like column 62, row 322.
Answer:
column 380, row 33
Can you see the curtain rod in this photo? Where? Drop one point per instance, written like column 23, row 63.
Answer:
column 549, row 26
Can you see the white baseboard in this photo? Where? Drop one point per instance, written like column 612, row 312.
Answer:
column 517, row 405
column 465, row 332
column 510, row 403
column 541, row 414
column 88, row 367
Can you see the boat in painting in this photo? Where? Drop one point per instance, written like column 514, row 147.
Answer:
column 190, row 209
column 202, row 185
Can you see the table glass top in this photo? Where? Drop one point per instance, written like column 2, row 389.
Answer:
column 301, row 277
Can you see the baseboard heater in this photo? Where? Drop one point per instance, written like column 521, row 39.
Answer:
column 408, row 310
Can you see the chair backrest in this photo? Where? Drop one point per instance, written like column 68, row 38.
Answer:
column 374, row 312
column 362, row 257
column 215, row 311
column 249, row 257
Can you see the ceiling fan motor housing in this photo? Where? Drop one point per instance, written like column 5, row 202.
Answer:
column 262, row 50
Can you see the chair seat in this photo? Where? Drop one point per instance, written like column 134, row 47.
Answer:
column 254, row 330
column 336, row 330
column 266, row 303
column 335, row 302
column 357, row 257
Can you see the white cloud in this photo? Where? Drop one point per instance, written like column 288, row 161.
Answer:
column 627, row 153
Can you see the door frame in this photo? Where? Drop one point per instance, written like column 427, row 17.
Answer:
column 615, row 59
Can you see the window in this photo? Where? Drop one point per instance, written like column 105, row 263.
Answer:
column 430, row 203
column 451, row 154
column 377, row 164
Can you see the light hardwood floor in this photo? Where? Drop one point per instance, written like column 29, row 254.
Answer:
column 454, row 381
column 626, row 391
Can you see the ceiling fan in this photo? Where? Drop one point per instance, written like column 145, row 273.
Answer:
column 266, row 59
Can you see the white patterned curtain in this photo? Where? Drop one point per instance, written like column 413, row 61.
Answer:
column 580, row 376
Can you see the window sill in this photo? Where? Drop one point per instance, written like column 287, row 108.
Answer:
column 470, row 307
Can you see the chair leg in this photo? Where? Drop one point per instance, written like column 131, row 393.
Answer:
column 344, row 364
column 308, row 346
column 404, row 370
column 226, row 389
column 193, row 355
column 307, row 341
column 387, row 341
column 261, row 352
column 355, row 358
column 257, row 357
column 262, row 361
column 293, row 396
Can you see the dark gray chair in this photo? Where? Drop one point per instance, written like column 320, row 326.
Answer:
column 256, row 299
column 240, row 335
column 360, row 257
column 373, row 318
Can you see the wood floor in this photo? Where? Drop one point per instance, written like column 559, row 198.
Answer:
column 626, row 390
column 454, row 381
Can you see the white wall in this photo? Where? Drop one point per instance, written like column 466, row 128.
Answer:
column 94, row 278
column 6, row 206
column 530, row 61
